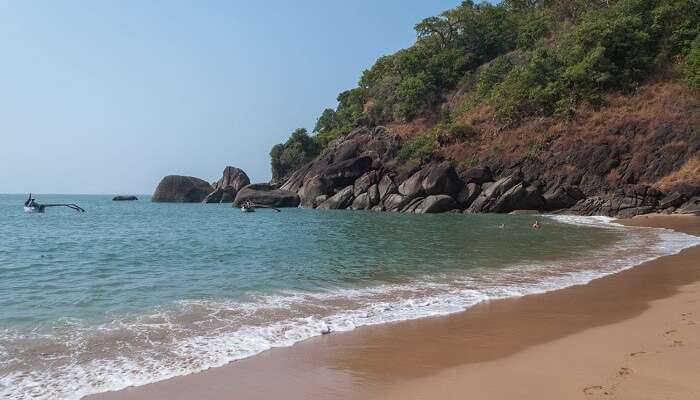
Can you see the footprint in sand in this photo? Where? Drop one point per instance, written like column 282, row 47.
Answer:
column 595, row 390
column 670, row 332
column 623, row 371
column 637, row 353
column 677, row 343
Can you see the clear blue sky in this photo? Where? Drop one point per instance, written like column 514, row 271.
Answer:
column 110, row 96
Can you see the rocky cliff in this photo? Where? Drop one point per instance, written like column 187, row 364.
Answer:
column 638, row 154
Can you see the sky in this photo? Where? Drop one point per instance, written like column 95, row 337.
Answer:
column 107, row 97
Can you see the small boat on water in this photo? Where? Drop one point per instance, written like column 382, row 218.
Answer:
column 31, row 206
column 249, row 206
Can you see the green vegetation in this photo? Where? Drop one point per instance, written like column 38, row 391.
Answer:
column 692, row 68
column 523, row 58
column 299, row 149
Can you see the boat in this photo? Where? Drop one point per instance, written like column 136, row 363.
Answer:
column 249, row 206
column 31, row 206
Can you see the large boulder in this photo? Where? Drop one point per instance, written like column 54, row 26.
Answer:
column 214, row 197
column 441, row 179
column 490, row 194
column 467, row 195
column 395, row 202
column 361, row 202
column 437, row 204
column 313, row 188
column 478, row 175
column 340, row 200
column 413, row 186
column 386, row 187
column 674, row 199
column 233, row 177
column 225, row 189
column 265, row 194
column 412, row 205
column 181, row 189
column 560, row 197
column 363, row 183
column 519, row 197
column 345, row 172
column 692, row 206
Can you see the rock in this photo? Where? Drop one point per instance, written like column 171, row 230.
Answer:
column 181, row 189
column 467, row 195
column 674, row 199
column 386, row 187
column 692, row 206
column 345, row 172
column 412, row 205
column 361, row 202
column 478, row 175
column 373, row 194
column 560, row 197
column 340, row 200
column 490, row 194
column 233, row 177
column 320, row 199
column 363, row 183
column 262, row 193
column 225, row 189
column 441, row 179
column 214, row 197
column 313, row 188
column 413, row 186
column 437, row 204
column 395, row 202
column 519, row 197
column 124, row 198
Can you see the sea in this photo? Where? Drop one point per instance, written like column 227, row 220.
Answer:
column 129, row 293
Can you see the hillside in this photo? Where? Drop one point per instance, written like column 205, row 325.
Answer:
column 590, row 107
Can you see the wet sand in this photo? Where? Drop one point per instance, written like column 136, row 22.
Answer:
column 632, row 335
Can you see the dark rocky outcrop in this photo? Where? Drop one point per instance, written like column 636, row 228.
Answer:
column 437, row 204
column 225, row 189
column 478, row 175
column 313, row 188
column 491, row 193
column 265, row 194
column 560, row 197
column 692, row 206
column 124, row 198
column 340, row 200
column 181, row 189
column 467, row 195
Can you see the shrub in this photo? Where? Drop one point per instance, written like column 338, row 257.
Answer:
column 493, row 74
column 691, row 69
column 420, row 148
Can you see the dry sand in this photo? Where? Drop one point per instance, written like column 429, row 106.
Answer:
column 632, row 335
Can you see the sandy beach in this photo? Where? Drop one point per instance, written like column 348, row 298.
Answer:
column 632, row 335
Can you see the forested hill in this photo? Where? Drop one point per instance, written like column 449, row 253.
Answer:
column 592, row 94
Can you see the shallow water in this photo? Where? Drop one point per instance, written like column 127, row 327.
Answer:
column 133, row 292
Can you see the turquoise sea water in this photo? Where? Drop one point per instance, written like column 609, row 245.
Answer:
column 133, row 292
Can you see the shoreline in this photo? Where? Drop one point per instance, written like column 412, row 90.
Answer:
column 404, row 359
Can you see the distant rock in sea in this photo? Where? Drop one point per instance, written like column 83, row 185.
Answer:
column 181, row 189
column 124, row 198
column 225, row 189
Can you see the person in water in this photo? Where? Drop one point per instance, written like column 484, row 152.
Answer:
column 536, row 225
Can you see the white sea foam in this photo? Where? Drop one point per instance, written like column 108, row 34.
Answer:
column 197, row 335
